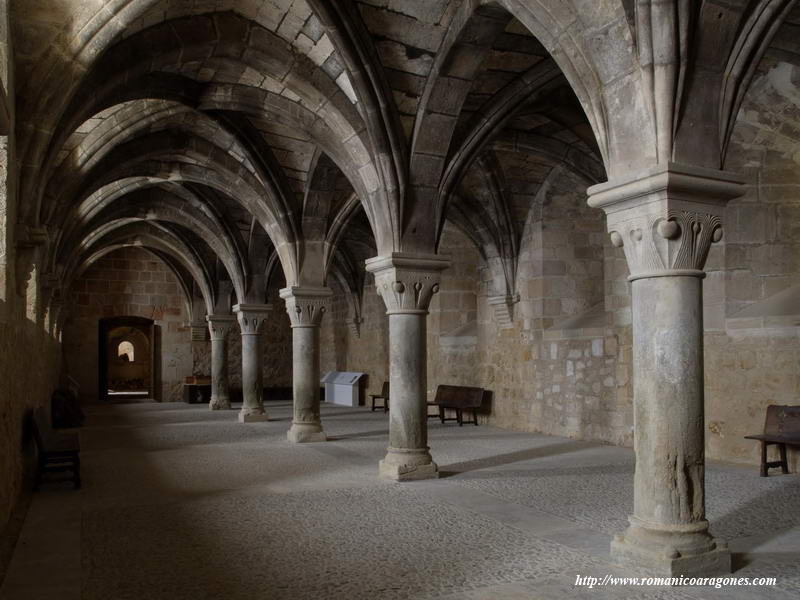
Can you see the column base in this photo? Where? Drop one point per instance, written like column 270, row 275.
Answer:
column 219, row 404
column 252, row 415
column 408, row 465
column 687, row 550
column 303, row 433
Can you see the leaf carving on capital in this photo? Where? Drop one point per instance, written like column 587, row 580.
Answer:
column 695, row 232
column 251, row 323
column 642, row 249
column 681, row 241
column 403, row 290
column 307, row 312
column 220, row 329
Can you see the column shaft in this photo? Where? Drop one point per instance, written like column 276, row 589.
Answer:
column 220, row 393
column 668, row 405
column 668, row 528
column 408, row 431
column 306, row 425
column 252, row 379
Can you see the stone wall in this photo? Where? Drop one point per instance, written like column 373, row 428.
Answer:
column 752, row 343
column 333, row 333
column 452, row 324
column 29, row 372
column 132, row 282
column 367, row 352
column 277, row 345
column 752, row 292
column 746, row 371
column 128, row 282
column 563, row 366
column 30, row 353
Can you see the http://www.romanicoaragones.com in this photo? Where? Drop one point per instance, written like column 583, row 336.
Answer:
column 716, row 582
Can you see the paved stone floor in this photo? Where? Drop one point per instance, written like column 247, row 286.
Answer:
column 183, row 503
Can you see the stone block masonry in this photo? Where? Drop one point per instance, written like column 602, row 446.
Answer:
column 129, row 282
column 133, row 282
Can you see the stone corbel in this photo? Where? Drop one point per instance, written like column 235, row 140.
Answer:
column 52, row 301
column 50, row 287
column 504, row 309
column 31, row 237
column 665, row 219
column 354, row 323
column 56, row 318
column 29, row 242
column 199, row 331
column 51, row 291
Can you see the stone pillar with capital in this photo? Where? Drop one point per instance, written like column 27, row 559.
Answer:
column 666, row 219
column 407, row 282
column 219, row 328
column 252, row 318
column 306, row 306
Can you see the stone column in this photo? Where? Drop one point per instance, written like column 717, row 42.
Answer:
column 251, row 322
column 665, row 220
column 306, row 307
column 219, row 327
column 407, row 283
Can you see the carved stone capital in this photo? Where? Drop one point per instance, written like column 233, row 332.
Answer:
column 306, row 305
column 252, row 317
column 407, row 282
column 665, row 219
column 220, row 326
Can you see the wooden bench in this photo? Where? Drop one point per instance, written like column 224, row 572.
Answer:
column 384, row 395
column 458, row 398
column 781, row 428
column 56, row 451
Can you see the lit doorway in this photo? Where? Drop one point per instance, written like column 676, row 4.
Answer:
column 127, row 352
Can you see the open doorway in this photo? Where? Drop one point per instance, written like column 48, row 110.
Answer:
column 127, row 351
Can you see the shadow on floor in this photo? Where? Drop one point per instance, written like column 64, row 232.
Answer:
column 740, row 522
column 512, row 457
column 348, row 414
column 539, row 473
column 362, row 434
column 741, row 560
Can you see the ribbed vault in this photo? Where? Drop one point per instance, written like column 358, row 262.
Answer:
column 258, row 133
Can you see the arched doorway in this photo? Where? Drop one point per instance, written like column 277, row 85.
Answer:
column 127, row 352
